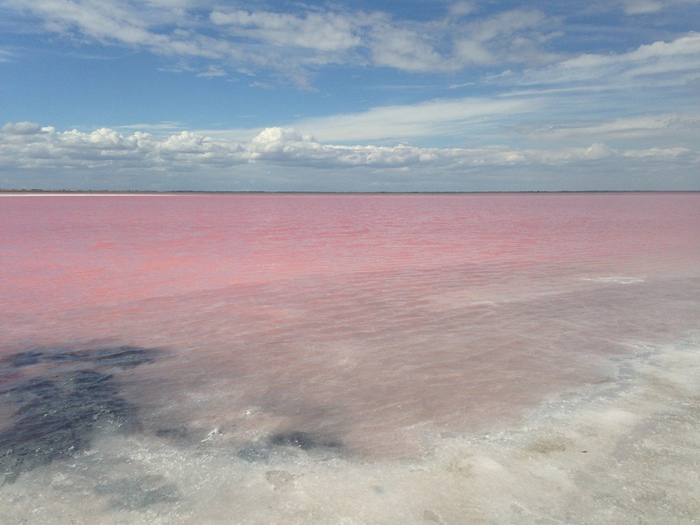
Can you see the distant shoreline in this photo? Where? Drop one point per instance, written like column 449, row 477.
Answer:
column 36, row 192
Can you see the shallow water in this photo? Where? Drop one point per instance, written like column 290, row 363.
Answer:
column 350, row 358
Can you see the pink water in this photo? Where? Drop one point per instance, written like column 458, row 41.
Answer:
column 74, row 250
column 367, row 320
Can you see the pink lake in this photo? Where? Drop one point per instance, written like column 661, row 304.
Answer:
column 312, row 351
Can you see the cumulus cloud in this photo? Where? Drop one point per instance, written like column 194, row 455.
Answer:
column 21, row 128
column 288, row 159
column 108, row 149
column 275, row 136
column 283, row 144
column 598, row 151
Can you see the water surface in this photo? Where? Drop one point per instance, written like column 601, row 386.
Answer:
column 350, row 358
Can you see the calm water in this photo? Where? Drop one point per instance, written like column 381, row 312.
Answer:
column 350, row 358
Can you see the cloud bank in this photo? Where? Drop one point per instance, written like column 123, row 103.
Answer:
column 277, row 152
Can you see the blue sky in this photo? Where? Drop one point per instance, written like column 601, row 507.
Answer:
column 355, row 96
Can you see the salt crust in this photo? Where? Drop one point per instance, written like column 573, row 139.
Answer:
column 622, row 451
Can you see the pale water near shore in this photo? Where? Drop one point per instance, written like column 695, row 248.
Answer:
column 351, row 359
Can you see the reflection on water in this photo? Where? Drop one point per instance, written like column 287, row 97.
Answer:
column 350, row 359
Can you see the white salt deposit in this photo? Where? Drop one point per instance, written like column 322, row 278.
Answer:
column 620, row 452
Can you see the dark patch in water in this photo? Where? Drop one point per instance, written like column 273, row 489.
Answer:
column 302, row 440
column 255, row 452
column 278, row 445
column 59, row 408
column 124, row 357
column 138, row 493
column 22, row 359
column 179, row 435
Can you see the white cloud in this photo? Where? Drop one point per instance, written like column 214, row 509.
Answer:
column 462, row 8
column 433, row 118
column 296, row 43
column 106, row 149
column 645, row 7
column 658, row 153
column 518, row 36
column 474, row 51
column 287, row 159
column 21, row 128
column 598, row 151
column 274, row 136
column 404, row 47
column 638, row 7
column 101, row 20
column 292, row 45
column 213, row 72
column 125, row 23
column 284, row 145
column 512, row 37
column 319, row 31
column 647, row 126
column 184, row 142
column 657, row 64
column 161, row 127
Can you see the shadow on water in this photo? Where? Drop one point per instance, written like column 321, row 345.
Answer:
column 60, row 398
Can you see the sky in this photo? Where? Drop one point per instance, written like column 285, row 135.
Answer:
column 381, row 95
